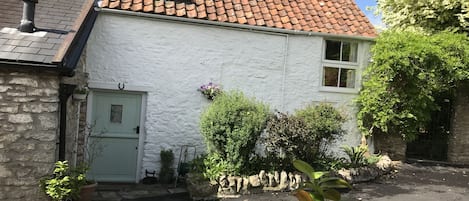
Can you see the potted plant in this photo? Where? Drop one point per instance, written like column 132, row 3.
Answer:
column 68, row 183
column 80, row 93
column 166, row 174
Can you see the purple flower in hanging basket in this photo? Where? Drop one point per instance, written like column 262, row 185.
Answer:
column 210, row 90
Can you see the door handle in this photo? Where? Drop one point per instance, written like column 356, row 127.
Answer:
column 137, row 129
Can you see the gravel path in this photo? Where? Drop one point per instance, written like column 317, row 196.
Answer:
column 412, row 182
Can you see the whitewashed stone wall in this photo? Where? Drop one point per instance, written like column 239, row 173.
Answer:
column 170, row 60
column 28, row 132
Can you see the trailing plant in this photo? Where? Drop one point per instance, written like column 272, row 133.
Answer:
column 400, row 85
column 166, row 171
column 65, row 183
column 300, row 136
column 231, row 126
column 320, row 186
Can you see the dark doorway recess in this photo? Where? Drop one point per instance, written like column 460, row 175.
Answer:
column 432, row 143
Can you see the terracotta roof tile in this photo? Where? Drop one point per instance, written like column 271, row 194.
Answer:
column 221, row 11
column 125, row 6
column 159, row 9
column 212, row 16
column 211, row 9
column 219, row 4
column 251, row 21
column 105, row 3
column 181, row 12
column 222, row 18
column 191, row 13
column 327, row 16
column 260, row 22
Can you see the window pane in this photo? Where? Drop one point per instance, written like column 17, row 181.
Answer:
column 347, row 78
column 330, row 76
column 116, row 113
column 333, row 50
column 349, row 51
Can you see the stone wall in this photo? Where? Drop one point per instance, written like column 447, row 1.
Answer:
column 392, row 145
column 458, row 144
column 29, row 115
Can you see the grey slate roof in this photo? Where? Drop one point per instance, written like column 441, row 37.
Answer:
column 53, row 18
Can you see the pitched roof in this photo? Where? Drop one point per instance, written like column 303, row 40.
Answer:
column 325, row 16
column 55, row 20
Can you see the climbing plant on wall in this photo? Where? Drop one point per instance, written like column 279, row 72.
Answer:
column 408, row 69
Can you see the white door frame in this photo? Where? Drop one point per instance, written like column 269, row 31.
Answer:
column 141, row 138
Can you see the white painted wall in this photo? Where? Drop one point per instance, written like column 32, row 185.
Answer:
column 170, row 60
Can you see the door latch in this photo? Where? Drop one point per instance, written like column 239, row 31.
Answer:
column 137, row 129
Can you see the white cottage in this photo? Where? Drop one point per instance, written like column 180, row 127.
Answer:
column 146, row 60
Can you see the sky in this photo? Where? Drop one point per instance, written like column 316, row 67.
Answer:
column 375, row 20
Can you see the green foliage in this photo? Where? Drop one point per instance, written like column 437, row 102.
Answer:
column 215, row 166
column 429, row 15
column 373, row 159
column 65, row 183
column 288, row 135
column 320, row 186
column 323, row 121
column 328, row 163
column 409, row 69
column 356, row 155
column 269, row 163
column 300, row 136
column 231, row 126
column 166, row 173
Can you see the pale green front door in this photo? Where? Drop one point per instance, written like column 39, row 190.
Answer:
column 113, row 145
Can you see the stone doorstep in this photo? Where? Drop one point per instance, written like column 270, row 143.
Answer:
column 117, row 192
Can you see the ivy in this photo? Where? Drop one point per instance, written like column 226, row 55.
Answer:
column 408, row 70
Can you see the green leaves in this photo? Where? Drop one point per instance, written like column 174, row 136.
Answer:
column 65, row 183
column 319, row 187
column 428, row 15
column 409, row 70
column 231, row 126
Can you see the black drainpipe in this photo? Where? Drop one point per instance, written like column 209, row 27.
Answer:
column 65, row 91
column 27, row 22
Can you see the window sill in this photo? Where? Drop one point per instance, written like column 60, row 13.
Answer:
column 339, row 90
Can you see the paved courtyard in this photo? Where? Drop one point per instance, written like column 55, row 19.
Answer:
column 412, row 182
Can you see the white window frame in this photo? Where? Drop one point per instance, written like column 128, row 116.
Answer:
column 340, row 65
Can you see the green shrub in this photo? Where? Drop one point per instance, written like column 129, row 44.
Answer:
column 400, row 86
column 356, row 155
column 358, row 158
column 328, row 163
column 65, row 183
column 300, row 136
column 323, row 120
column 231, row 126
column 215, row 166
column 289, row 137
column 166, row 172
column 269, row 163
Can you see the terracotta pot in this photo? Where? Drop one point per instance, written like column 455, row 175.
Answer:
column 87, row 191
